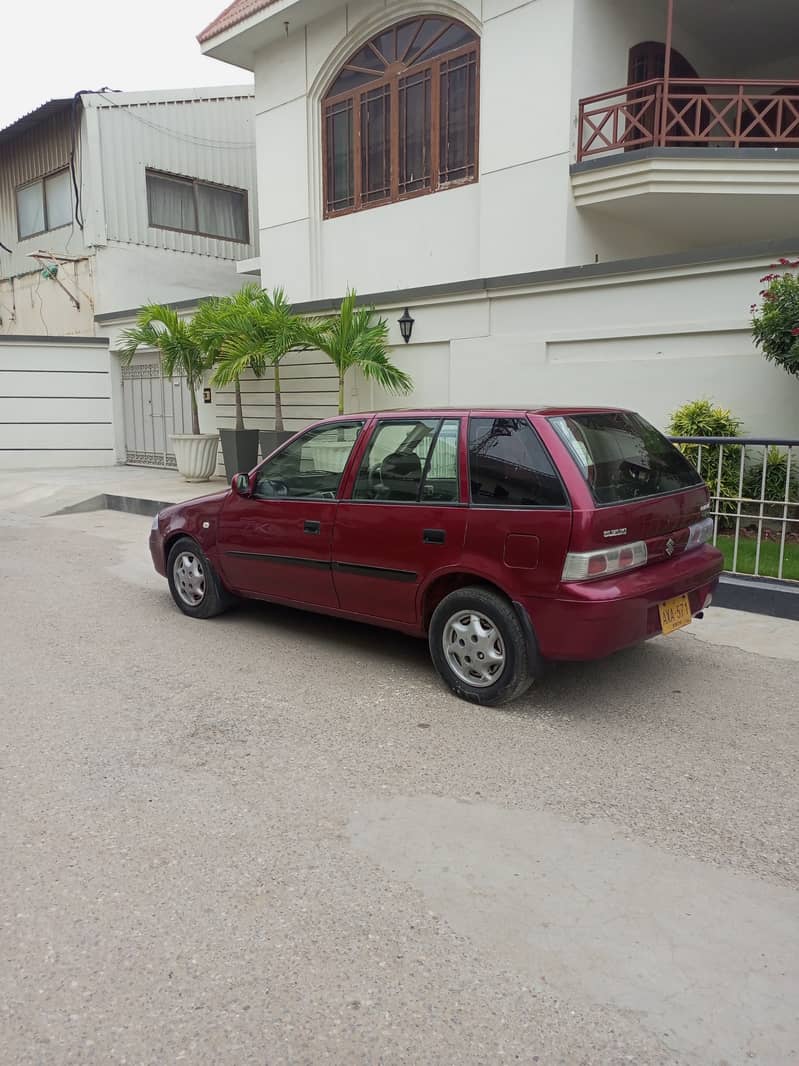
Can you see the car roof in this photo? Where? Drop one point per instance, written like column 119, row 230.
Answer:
column 425, row 412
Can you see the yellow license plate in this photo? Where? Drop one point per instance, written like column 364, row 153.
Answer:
column 674, row 614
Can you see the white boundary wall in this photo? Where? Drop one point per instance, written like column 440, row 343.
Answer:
column 651, row 340
column 55, row 402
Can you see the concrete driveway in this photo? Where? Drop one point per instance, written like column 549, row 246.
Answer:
column 274, row 838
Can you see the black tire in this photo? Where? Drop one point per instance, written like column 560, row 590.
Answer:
column 521, row 662
column 215, row 598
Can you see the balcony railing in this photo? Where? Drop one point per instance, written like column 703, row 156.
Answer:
column 695, row 113
column 754, row 493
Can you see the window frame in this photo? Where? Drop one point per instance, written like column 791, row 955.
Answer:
column 40, row 181
column 567, row 505
column 394, row 74
column 410, row 421
column 185, row 179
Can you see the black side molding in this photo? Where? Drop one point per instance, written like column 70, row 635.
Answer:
column 375, row 571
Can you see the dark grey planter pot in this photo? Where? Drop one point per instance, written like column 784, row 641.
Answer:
column 239, row 450
column 272, row 439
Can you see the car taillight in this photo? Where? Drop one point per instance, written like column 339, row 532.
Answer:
column 699, row 534
column 583, row 566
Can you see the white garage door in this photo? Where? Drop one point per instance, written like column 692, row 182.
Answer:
column 55, row 402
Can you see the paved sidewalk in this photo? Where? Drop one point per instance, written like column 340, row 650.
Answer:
column 41, row 492
column 774, row 638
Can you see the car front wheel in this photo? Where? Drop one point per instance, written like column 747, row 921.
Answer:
column 193, row 582
column 479, row 648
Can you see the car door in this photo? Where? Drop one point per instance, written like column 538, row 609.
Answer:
column 520, row 516
column 404, row 520
column 275, row 543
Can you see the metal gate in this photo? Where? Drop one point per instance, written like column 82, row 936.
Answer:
column 155, row 407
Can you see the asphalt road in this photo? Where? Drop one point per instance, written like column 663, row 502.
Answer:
column 274, row 838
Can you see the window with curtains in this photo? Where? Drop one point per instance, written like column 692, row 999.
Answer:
column 194, row 206
column 401, row 118
column 44, row 204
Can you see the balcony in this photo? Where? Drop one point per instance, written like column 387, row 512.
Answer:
column 706, row 158
column 690, row 113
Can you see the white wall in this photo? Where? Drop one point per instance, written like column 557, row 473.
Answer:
column 128, row 275
column 513, row 219
column 418, row 242
column 55, row 404
column 33, row 304
column 651, row 342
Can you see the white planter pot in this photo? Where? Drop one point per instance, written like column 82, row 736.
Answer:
column 195, row 454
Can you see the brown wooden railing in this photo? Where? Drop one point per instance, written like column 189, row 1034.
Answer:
column 692, row 113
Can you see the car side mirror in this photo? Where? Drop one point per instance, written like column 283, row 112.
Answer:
column 240, row 484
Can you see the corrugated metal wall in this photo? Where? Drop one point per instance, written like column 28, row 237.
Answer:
column 35, row 153
column 212, row 139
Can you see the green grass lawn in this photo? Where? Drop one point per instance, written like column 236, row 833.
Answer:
column 769, row 557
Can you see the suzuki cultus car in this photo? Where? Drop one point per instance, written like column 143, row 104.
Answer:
column 506, row 538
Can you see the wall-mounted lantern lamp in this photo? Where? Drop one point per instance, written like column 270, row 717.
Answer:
column 406, row 325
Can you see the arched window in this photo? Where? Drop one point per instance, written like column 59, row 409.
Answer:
column 401, row 118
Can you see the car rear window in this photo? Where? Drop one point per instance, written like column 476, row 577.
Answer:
column 623, row 457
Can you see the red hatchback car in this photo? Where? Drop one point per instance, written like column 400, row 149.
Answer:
column 505, row 537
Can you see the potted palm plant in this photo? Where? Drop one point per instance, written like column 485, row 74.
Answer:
column 183, row 353
column 259, row 335
column 215, row 322
column 353, row 339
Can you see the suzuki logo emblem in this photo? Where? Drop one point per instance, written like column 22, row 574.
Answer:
column 670, row 546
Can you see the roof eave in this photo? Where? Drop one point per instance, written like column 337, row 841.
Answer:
column 237, row 44
column 35, row 118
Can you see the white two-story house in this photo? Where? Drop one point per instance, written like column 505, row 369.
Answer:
column 574, row 199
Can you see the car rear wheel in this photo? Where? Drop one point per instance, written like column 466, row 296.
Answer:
column 479, row 648
column 193, row 582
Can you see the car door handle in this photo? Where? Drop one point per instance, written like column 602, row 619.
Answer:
column 434, row 536
column 312, row 527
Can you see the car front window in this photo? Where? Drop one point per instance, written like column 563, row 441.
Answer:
column 310, row 467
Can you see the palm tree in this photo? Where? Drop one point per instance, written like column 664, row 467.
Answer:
column 261, row 329
column 182, row 350
column 214, row 321
column 352, row 339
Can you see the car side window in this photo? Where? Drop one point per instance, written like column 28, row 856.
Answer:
column 442, row 481
column 509, row 467
column 409, row 461
column 311, row 467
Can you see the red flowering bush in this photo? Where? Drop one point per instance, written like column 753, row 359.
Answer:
column 775, row 324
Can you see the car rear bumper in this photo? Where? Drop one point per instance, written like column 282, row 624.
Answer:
column 594, row 619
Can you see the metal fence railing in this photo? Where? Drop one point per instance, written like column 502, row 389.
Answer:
column 754, row 490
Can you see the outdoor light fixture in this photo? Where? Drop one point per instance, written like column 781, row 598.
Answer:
column 406, row 325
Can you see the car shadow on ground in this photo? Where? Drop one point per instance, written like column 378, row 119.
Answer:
column 621, row 685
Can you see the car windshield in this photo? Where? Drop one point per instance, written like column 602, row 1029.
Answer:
column 623, row 457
